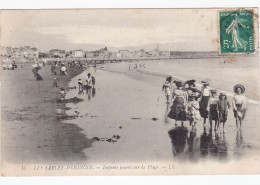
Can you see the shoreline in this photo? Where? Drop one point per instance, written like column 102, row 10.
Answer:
column 164, row 75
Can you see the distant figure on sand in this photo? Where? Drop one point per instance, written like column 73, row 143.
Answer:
column 89, row 86
column 62, row 93
column 81, row 84
column 212, row 108
column 204, row 98
column 193, row 110
column 63, row 70
column 55, row 84
column 53, row 69
column 167, row 88
column 36, row 68
column 178, row 108
column 239, row 104
column 89, row 81
column 93, row 81
column 222, row 107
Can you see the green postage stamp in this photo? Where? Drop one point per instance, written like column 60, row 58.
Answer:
column 236, row 32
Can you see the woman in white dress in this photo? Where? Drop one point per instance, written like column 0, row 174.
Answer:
column 239, row 104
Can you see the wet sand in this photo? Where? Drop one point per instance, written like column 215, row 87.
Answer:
column 31, row 129
column 125, row 104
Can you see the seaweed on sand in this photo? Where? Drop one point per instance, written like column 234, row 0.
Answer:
column 70, row 100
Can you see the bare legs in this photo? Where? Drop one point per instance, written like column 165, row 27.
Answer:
column 238, row 123
column 168, row 99
column 176, row 123
column 204, row 122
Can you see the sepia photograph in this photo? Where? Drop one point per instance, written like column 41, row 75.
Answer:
column 130, row 92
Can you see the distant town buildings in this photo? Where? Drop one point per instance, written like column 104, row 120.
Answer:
column 78, row 54
column 6, row 51
column 57, row 53
column 24, row 52
column 28, row 53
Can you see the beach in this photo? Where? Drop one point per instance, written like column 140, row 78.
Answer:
column 31, row 129
column 128, row 108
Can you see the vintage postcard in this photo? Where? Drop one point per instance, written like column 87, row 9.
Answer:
column 130, row 92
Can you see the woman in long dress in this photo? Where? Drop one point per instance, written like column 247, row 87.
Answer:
column 239, row 104
column 178, row 108
column 204, row 99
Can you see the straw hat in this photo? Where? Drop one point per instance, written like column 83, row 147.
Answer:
column 213, row 91
column 179, row 83
column 223, row 94
column 239, row 86
column 206, row 82
column 190, row 82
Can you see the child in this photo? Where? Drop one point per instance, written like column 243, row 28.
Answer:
column 62, row 94
column 193, row 110
column 204, row 98
column 167, row 88
column 93, row 81
column 212, row 108
column 89, row 81
column 81, row 84
column 222, row 107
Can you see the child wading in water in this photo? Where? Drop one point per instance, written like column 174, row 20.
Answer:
column 81, row 84
column 167, row 88
column 239, row 104
column 212, row 109
column 204, row 99
column 193, row 110
column 93, row 81
column 222, row 107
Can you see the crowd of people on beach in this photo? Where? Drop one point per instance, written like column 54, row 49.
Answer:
column 10, row 66
column 136, row 66
column 188, row 103
column 58, row 68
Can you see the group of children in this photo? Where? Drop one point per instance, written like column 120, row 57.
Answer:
column 88, row 86
column 90, row 83
column 189, row 103
column 136, row 66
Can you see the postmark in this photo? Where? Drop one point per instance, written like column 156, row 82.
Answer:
column 236, row 32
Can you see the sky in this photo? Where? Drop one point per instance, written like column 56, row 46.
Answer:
column 90, row 29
